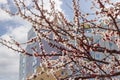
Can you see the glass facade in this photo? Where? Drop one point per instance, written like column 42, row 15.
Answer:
column 28, row 64
column 22, row 67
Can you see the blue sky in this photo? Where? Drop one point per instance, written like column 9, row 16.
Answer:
column 67, row 7
column 18, row 28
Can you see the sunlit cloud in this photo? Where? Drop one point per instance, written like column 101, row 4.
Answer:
column 9, row 60
column 3, row 1
column 4, row 16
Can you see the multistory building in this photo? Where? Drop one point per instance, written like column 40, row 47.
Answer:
column 28, row 64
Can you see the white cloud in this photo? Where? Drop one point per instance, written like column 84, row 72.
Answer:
column 115, row 0
column 46, row 5
column 112, row 1
column 57, row 4
column 9, row 64
column 18, row 33
column 3, row 1
column 4, row 16
column 9, row 60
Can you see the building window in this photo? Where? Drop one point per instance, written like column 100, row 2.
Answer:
column 97, row 56
column 23, row 78
column 62, row 72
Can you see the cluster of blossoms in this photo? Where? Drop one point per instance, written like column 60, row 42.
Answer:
column 83, row 46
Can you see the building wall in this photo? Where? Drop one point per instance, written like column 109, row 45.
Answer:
column 28, row 64
column 22, row 67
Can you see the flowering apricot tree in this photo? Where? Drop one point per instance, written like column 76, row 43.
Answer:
column 88, row 47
